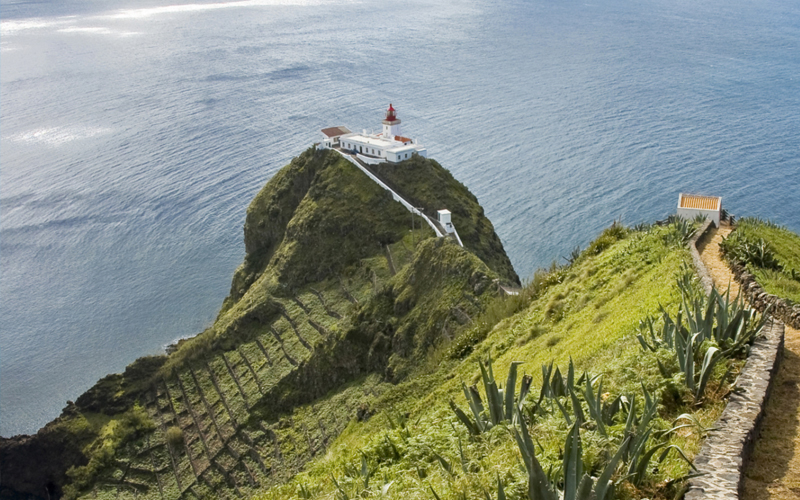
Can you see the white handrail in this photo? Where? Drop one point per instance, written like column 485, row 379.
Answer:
column 411, row 208
column 458, row 238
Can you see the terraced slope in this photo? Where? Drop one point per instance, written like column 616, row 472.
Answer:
column 335, row 299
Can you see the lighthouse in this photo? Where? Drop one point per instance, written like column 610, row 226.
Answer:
column 391, row 124
column 387, row 146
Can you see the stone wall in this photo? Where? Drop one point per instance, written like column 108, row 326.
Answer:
column 699, row 267
column 760, row 300
column 726, row 449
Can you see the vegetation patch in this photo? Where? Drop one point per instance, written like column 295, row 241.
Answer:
column 428, row 185
column 356, row 356
column 595, row 405
column 771, row 253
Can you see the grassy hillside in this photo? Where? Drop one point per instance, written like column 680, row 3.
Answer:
column 414, row 446
column 772, row 254
column 426, row 184
column 335, row 300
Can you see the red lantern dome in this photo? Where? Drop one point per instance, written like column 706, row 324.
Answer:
column 390, row 114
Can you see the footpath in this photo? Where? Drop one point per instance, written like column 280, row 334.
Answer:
column 773, row 471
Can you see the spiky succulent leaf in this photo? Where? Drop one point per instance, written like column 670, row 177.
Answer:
column 709, row 361
column 640, row 471
column 573, row 463
column 476, row 405
column 472, row 427
column 584, row 491
column 524, row 389
column 604, row 481
column 510, row 388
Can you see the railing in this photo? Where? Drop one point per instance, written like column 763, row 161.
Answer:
column 411, row 208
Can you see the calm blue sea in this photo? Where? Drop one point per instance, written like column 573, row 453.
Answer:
column 133, row 134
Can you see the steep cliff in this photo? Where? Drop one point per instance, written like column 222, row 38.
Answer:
column 336, row 300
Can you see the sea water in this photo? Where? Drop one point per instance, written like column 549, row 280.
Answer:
column 134, row 134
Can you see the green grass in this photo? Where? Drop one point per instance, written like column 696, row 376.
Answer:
column 785, row 246
column 426, row 184
column 600, row 302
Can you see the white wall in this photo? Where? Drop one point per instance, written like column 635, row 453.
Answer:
column 691, row 213
column 369, row 161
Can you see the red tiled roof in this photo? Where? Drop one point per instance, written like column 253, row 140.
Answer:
column 402, row 139
column 335, row 131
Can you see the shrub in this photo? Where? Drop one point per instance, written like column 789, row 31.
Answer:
column 607, row 238
column 741, row 248
column 175, row 436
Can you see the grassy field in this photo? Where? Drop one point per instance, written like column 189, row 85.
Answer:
column 772, row 254
column 413, row 446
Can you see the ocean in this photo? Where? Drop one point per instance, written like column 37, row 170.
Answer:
column 133, row 135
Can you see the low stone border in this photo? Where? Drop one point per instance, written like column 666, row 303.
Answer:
column 700, row 268
column 760, row 299
column 725, row 451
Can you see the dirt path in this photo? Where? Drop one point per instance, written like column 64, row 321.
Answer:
column 773, row 471
column 709, row 253
column 774, row 468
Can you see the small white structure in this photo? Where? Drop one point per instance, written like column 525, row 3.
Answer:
column 389, row 145
column 691, row 205
column 331, row 135
column 444, row 220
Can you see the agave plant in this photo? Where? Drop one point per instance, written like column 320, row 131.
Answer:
column 502, row 404
column 639, row 430
column 681, row 230
column 602, row 412
column 738, row 247
column 577, row 485
column 730, row 326
column 736, row 323
column 556, row 386
column 574, row 255
column 664, row 338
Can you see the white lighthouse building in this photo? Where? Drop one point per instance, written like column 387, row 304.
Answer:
column 388, row 146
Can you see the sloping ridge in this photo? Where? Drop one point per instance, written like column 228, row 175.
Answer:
column 315, row 316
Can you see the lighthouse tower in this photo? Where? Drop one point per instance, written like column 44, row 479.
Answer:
column 391, row 124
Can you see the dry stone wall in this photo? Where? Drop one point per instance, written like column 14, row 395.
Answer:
column 760, row 299
column 727, row 449
column 700, row 268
